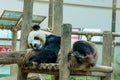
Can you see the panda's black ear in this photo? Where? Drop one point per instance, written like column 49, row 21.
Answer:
column 35, row 27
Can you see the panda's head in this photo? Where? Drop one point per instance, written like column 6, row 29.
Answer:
column 36, row 38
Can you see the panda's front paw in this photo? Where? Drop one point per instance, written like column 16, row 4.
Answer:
column 30, row 63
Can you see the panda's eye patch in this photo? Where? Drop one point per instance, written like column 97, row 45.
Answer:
column 36, row 38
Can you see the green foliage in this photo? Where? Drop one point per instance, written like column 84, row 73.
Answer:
column 83, row 78
column 48, row 77
column 76, row 78
column 116, row 76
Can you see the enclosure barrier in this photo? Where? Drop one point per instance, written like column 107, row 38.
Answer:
column 104, row 71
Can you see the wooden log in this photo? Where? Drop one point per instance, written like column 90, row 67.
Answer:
column 26, row 23
column 87, row 33
column 107, row 52
column 50, row 16
column 11, row 57
column 58, row 16
column 17, row 56
column 8, row 78
column 97, row 68
column 13, row 67
column 25, row 29
column 113, row 27
column 14, row 56
column 64, row 72
column 95, row 74
column 94, row 33
column 10, row 27
column 14, row 40
column 107, row 48
column 101, row 70
column 73, row 32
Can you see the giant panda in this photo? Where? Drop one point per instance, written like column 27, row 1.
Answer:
column 83, row 54
column 48, row 46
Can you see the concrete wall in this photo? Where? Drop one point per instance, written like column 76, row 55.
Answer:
column 80, row 13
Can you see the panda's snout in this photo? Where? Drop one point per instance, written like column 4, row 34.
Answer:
column 36, row 46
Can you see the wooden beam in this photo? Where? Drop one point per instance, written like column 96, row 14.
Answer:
column 53, row 69
column 11, row 57
column 107, row 48
column 113, row 26
column 10, row 27
column 50, row 15
column 114, row 4
column 50, row 26
column 13, row 67
column 97, row 68
column 65, row 48
column 26, row 23
column 25, row 29
column 14, row 40
column 8, row 78
column 14, row 56
column 107, row 52
column 58, row 16
column 17, row 56
column 73, row 32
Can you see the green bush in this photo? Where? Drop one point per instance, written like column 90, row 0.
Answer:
column 76, row 78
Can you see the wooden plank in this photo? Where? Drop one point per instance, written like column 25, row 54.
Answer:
column 58, row 16
column 64, row 72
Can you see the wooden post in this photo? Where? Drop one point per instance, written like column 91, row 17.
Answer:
column 54, row 77
column 64, row 72
column 113, row 15
column 113, row 29
column 13, row 67
column 25, row 29
column 107, row 52
column 58, row 16
column 26, row 23
column 50, row 18
column 112, row 59
column 14, row 40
